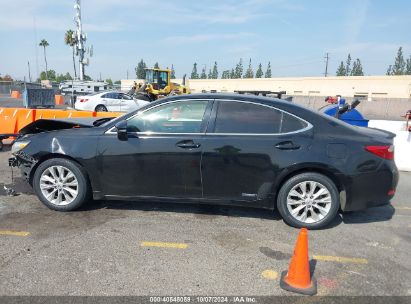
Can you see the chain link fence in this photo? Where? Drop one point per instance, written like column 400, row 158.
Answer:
column 7, row 86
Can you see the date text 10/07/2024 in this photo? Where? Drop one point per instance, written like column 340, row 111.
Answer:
column 203, row 299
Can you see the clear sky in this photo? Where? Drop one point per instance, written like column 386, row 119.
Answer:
column 293, row 34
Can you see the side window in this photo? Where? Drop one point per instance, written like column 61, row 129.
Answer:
column 177, row 117
column 125, row 97
column 248, row 118
column 107, row 95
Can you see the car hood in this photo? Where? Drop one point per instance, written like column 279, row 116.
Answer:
column 45, row 125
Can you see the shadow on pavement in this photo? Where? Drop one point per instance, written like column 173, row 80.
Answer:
column 372, row 215
column 377, row 214
column 202, row 210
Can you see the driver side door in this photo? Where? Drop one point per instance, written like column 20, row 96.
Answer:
column 162, row 154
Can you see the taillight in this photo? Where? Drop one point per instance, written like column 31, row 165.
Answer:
column 83, row 100
column 386, row 152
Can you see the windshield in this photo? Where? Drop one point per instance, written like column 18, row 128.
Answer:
column 149, row 76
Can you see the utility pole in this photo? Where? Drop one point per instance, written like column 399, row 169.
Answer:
column 327, row 57
column 28, row 64
column 81, row 39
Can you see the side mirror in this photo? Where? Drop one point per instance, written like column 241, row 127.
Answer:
column 121, row 127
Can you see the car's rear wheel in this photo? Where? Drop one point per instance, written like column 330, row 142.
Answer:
column 101, row 108
column 61, row 184
column 308, row 200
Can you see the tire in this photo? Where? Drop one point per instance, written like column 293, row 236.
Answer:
column 101, row 108
column 44, row 182
column 310, row 211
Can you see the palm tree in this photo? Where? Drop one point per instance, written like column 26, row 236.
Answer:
column 71, row 40
column 44, row 44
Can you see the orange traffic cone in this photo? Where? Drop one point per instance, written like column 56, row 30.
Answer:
column 297, row 278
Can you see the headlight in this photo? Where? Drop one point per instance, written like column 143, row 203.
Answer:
column 18, row 145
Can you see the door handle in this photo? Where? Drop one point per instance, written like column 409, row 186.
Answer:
column 287, row 145
column 188, row 144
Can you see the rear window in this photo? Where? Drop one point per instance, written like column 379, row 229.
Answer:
column 249, row 118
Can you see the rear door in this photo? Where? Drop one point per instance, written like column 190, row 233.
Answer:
column 246, row 146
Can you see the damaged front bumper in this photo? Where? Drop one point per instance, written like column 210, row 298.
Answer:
column 13, row 162
column 24, row 162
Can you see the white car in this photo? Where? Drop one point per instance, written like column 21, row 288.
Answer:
column 108, row 102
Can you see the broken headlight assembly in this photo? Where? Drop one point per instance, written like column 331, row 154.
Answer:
column 19, row 145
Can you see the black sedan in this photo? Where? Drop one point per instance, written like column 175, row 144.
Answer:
column 216, row 149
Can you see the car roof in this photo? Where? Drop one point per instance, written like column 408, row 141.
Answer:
column 270, row 101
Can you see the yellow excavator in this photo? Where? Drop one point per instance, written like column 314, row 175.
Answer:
column 158, row 84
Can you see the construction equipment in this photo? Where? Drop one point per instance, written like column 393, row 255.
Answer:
column 158, row 84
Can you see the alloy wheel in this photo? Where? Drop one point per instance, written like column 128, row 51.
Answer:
column 309, row 202
column 59, row 185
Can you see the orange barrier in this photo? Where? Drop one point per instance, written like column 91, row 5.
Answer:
column 12, row 120
column 59, row 99
column 8, row 119
column 15, row 94
column 297, row 278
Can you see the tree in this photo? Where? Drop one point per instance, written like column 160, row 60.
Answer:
column 389, row 70
column 63, row 77
column 341, row 71
column 268, row 72
column 173, row 72
column 53, row 76
column 68, row 76
column 117, row 82
column 408, row 67
column 44, row 44
column 203, row 73
column 156, row 66
column 225, row 74
column 357, row 68
column 87, row 78
column 71, row 40
column 214, row 74
column 140, row 70
column 249, row 73
column 109, row 81
column 7, row 77
column 399, row 65
column 348, row 66
column 239, row 69
column 194, row 73
column 49, row 75
column 259, row 73
column 210, row 74
column 232, row 74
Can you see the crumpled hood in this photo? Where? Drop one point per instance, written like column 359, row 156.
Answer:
column 44, row 125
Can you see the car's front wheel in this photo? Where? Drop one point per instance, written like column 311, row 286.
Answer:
column 61, row 184
column 308, row 200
